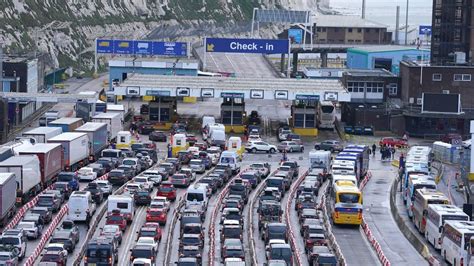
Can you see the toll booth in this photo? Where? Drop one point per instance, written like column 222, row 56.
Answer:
column 162, row 112
column 304, row 115
column 233, row 112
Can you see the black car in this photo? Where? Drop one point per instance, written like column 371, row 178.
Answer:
column 117, row 177
column 294, row 166
column 101, row 251
column 107, row 163
column 148, row 152
column 145, row 127
column 158, row 136
column 64, row 237
column 142, row 197
column 219, row 177
column 212, row 182
column 44, row 212
column 64, row 187
column 97, row 194
column 191, row 252
column 142, row 251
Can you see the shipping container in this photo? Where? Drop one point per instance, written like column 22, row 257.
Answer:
column 42, row 134
column 27, row 174
column 98, row 137
column 113, row 121
column 7, row 197
column 75, row 147
column 51, row 160
column 68, row 124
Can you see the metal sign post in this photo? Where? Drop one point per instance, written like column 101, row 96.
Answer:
column 95, row 57
column 289, row 60
column 205, row 55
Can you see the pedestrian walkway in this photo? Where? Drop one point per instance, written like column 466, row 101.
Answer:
column 379, row 218
column 449, row 185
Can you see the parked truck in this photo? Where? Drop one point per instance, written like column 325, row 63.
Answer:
column 113, row 121
column 42, row 134
column 68, row 124
column 75, row 147
column 7, row 197
column 48, row 117
column 51, row 160
column 5, row 153
column 98, row 137
column 116, row 108
column 27, row 175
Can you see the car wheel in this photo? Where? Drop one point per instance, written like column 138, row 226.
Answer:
column 272, row 150
column 254, row 150
column 317, row 147
column 331, row 150
column 290, row 150
column 302, row 149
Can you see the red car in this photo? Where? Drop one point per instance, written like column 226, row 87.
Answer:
column 156, row 215
column 395, row 142
column 314, row 240
column 57, row 257
column 150, row 145
column 147, row 231
column 190, row 138
column 117, row 218
column 166, row 189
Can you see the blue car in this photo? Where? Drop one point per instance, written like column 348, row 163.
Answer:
column 71, row 178
column 205, row 159
column 252, row 177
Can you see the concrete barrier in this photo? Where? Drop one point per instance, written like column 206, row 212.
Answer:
column 171, row 230
column 46, row 235
column 413, row 238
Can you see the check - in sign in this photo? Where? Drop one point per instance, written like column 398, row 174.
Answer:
column 254, row 46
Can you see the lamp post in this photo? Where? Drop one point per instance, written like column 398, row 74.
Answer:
column 406, row 24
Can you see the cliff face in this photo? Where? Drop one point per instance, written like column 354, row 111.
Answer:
column 65, row 29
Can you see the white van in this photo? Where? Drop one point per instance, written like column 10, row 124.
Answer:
column 197, row 195
column 230, row 158
column 123, row 203
column 217, row 138
column 81, row 206
column 206, row 121
column 319, row 159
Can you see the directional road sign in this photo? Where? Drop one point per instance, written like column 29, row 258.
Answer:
column 255, row 46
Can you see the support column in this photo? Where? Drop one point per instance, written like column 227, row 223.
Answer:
column 282, row 63
column 324, row 59
column 295, row 63
column 471, row 170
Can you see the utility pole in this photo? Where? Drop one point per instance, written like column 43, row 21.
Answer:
column 406, row 24
column 363, row 9
column 397, row 26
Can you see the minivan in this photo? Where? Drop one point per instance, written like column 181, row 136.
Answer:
column 230, row 158
column 81, row 206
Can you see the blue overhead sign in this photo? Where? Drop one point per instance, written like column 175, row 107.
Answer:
column 123, row 47
column 158, row 93
column 425, row 30
column 307, row 97
column 256, row 46
column 141, row 47
column 170, row 48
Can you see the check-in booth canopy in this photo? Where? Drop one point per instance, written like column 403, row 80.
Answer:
column 124, row 140
column 178, row 143
column 235, row 144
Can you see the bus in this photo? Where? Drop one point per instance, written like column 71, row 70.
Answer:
column 346, row 203
column 417, row 183
column 437, row 215
column 411, row 172
column 326, row 115
column 456, row 242
column 423, row 198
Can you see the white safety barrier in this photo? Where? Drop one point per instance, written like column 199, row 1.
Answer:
column 45, row 237
column 327, row 224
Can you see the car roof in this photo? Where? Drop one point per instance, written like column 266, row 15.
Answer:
column 146, row 247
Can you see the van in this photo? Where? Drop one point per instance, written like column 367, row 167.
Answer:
column 217, row 138
column 197, row 195
column 320, row 159
column 81, row 206
column 230, row 158
column 101, row 251
column 123, row 203
column 206, row 121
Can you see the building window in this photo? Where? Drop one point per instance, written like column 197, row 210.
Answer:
column 359, row 30
column 350, row 41
column 462, row 77
column 323, row 29
column 367, row 30
column 318, row 30
column 437, row 77
column 392, row 89
column 349, row 29
column 336, row 29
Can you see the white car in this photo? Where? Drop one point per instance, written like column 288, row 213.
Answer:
column 194, row 150
column 148, row 241
column 188, row 170
column 145, row 181
column 254, row 137
column 159, row 202
column 86, row 173
column 133, row 187
column 148, row 160
column 32, row 231
column 255, row 146
column 142, row 262
column 57, row 247
column 154, row 176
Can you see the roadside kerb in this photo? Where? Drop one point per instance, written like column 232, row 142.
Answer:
column 287, row 216
column 214, row 214
column 45, row 237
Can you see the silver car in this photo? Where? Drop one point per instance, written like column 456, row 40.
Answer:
column 197, row 165
column 290, row 146
column 31, row 229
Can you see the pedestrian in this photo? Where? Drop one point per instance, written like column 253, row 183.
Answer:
column 374, row 148
column 382, row 152
column 392, row 151
column 401, row 161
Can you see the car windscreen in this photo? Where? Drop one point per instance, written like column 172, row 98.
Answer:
column 349, row 197
column 115, row 218
column 277, row 229
column 274, row 182
column 110, row 154
column 192, row 230
column 149, row 233
column 280, row 253
column 96, row 252
column 129, row 162
column 190, row 241
column 65, row 178
column 232, row 231
column 190, row 219
column 237, row 188
column 9, row 241
column 142, row 253
column 195, row 196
